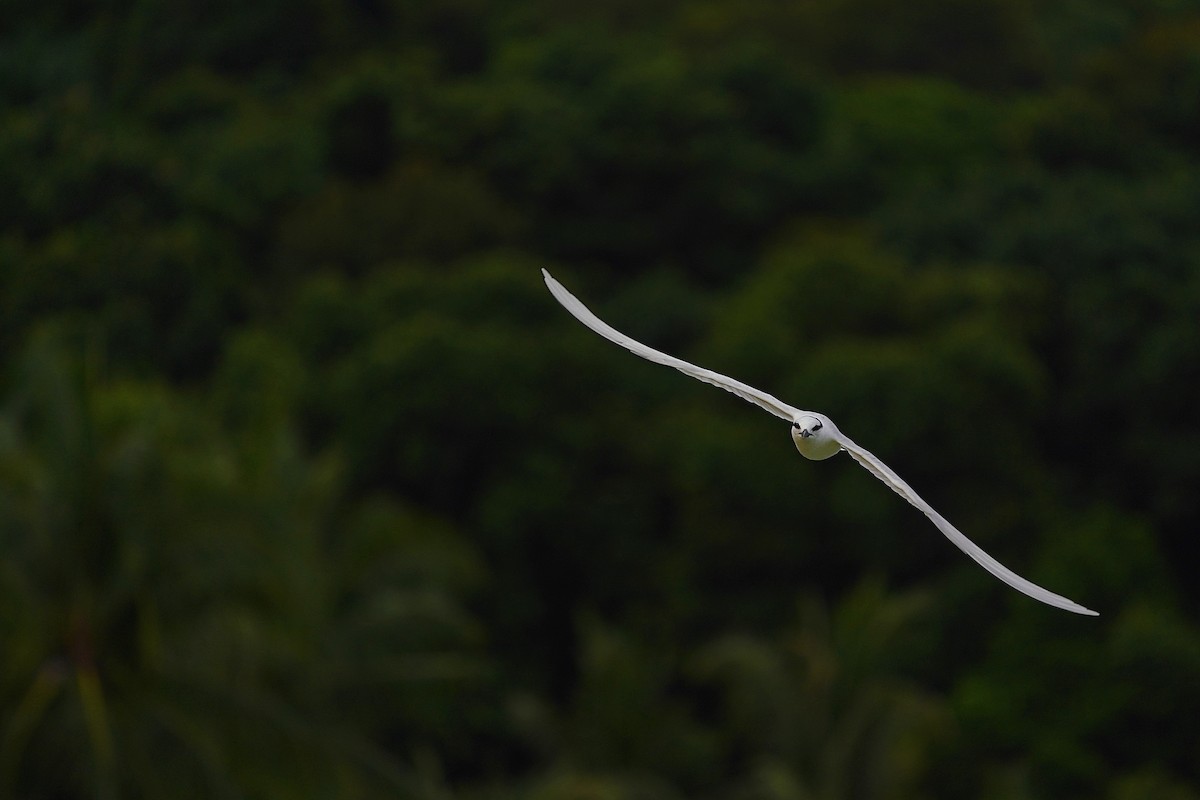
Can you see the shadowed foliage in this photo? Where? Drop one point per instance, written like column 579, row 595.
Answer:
column 308, row 488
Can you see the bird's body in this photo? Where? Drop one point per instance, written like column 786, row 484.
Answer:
column 817, row 438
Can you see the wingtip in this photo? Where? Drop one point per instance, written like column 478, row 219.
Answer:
column 1075, row 608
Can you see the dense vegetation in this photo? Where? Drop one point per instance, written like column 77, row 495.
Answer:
column 309, row 489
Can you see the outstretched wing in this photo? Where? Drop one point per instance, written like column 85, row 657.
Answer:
column 581, row 313
column 787, row 412
column 885, row 474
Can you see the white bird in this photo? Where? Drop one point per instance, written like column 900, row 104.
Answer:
column 816, row 438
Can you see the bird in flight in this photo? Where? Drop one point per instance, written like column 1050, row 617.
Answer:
column 817, row 438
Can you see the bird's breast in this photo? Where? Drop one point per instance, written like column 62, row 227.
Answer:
column 816, row 448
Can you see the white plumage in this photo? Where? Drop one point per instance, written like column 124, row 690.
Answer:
column 816, row 437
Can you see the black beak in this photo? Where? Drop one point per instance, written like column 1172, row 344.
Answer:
column 805, row 433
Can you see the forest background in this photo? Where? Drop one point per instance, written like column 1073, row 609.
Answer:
column 308, row 488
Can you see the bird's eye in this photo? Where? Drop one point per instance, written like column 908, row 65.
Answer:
column 818, row 426
column 796, row 425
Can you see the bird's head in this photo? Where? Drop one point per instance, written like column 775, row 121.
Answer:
column 806, row 427
column 814, row 437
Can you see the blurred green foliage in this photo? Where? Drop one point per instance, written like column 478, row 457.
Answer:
column 309, row 489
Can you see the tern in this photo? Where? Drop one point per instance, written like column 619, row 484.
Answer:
column 817, row 438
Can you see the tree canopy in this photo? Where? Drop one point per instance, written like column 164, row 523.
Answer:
column 308, row 488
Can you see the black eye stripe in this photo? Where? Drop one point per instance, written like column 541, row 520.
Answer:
column 818, row 426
